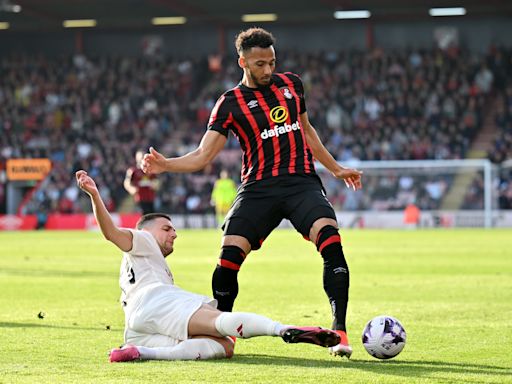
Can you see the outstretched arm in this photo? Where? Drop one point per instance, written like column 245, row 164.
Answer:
column 211, row 144
column 352, row 177
column 122, row 238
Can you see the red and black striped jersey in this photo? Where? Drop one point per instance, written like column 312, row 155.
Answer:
column 266, row 122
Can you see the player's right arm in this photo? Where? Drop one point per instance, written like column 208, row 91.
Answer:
column 211, row 144
column 122, row 238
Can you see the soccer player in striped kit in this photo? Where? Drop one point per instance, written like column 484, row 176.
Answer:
column 266, row 111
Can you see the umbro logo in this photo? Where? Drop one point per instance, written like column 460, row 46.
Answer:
column 252, row 103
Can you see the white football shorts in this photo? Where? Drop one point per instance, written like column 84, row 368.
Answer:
column 161, row 315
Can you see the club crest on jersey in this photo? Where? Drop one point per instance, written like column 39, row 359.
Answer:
column 286, row 92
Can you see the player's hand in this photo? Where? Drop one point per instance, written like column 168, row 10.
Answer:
column 153, row 162
column 85, row 182
column 352, row 178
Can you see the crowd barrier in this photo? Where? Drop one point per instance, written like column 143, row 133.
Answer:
column 61, row 221
column 364, row 219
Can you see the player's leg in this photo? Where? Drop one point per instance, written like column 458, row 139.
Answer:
column 160, row 343
column 336, row 277
column 250, row 220
column 324, row 234
column 209, row 321
column 225, row 276
column 312, row 215
column 197, row 348
column 158, row 329
column 207, row 331
column 161, row 347
column 178, row 314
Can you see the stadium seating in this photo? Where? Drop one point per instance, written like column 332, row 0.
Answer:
column 94, row 113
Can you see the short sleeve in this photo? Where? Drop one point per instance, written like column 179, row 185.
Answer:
column 221, row 117
column 299, row 90
column 144, row 244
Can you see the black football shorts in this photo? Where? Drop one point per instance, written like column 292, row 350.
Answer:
column 260, row 206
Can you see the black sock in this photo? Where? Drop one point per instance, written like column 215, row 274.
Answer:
column 336, row 274
column 225, row 277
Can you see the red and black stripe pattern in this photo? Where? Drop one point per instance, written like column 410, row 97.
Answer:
column 231, row 257
column 266, row 122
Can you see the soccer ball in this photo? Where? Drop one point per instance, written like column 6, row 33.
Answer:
column 384, row 337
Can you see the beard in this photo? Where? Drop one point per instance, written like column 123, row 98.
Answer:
column 260, row 82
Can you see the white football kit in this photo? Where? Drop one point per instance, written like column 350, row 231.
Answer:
column 157, row 312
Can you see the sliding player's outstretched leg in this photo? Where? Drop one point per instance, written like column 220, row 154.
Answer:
column 205, row 348
column 312, row 335
column 223, row 324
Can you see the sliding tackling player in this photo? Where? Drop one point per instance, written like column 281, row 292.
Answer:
column 163, row 321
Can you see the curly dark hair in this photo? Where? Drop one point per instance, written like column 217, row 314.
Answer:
column 253, row 37
column 150, row 217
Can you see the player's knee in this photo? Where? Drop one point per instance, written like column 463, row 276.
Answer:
column 318, row 225
column 229, row 346
column 231, row 257
column 208, row 347
column 326, row 236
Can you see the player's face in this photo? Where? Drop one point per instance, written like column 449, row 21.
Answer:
column 258, row 64
column 164, row 233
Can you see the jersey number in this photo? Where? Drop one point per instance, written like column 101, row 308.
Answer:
column 131, row 276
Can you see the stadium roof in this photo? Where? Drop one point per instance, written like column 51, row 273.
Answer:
column 36, row 15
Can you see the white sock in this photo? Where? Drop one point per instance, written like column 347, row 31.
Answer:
column 147, row 353
column 191, row 349
column 245, row 325
column 280, row 328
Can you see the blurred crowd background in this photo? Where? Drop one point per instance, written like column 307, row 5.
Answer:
column 94, row 113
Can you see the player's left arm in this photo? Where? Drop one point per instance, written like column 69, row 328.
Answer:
column 122, row 238
column 352, row 177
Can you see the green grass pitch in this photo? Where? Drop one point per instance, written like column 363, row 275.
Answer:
column 451, row 289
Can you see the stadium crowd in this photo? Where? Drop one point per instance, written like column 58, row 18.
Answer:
column 501, row 153
column 95, row 113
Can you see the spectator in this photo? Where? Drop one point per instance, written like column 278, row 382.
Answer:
column 94, row 113
column 142, row 187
